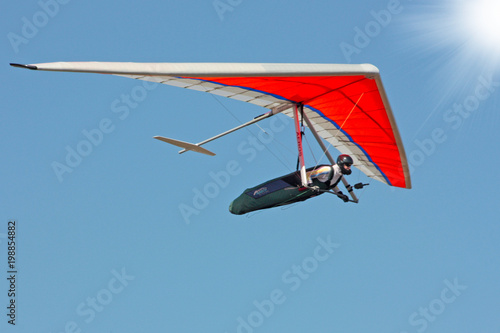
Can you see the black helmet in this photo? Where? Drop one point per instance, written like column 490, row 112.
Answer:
column 345, row 160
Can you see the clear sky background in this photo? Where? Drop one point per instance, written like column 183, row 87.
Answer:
column 106, row 248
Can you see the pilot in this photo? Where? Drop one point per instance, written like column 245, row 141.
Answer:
column 334, row 174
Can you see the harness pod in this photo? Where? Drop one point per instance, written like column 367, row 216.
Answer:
column 280, row 191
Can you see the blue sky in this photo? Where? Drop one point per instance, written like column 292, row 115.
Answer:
column 105, row 247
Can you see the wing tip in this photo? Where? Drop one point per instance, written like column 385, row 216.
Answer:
column 24, row 66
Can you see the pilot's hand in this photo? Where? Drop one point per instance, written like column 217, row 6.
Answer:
column 342, row 196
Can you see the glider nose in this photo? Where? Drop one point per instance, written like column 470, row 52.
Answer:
column 235, row 208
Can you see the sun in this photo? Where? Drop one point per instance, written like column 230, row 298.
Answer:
column 482, row 23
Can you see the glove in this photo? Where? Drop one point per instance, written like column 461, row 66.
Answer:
column 342, row 196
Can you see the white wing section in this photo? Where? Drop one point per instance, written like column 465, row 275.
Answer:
column 240, row 94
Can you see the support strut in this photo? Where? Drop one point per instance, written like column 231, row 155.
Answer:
column 298, row 133
column 329, row 156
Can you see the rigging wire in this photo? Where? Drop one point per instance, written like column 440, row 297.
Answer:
column 369, row 181
column 239, row 121
column 341, row 126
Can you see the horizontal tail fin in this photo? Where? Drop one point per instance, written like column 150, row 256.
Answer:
column 185, row 145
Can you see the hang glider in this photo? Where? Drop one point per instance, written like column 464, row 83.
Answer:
column 344, row 104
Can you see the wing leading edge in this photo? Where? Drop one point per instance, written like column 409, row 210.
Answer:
column 346, row 104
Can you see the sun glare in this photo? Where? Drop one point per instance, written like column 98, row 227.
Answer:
column 456, row 42
column 482, row 19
